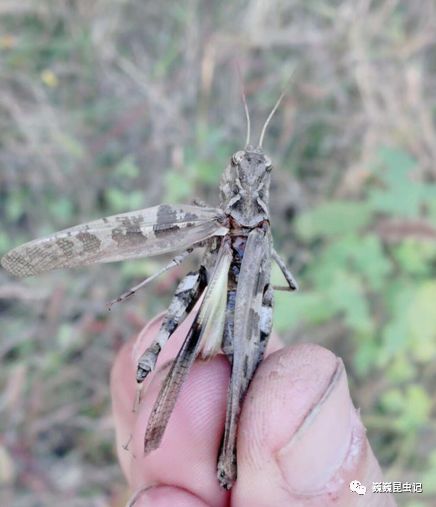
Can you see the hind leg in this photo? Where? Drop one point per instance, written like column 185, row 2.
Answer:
column 184, row 299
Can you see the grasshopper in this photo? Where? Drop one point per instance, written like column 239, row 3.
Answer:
column 233, row 280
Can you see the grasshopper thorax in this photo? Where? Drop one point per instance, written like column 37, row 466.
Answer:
column 245, row 187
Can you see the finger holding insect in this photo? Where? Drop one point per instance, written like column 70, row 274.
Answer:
column 298, row 407
column 301, row 440
column 199, row 412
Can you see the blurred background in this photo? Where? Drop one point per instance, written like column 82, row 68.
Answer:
column 114, row 105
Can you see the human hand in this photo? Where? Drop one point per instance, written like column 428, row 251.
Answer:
column 300, row 440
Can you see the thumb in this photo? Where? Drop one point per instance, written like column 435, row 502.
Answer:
column 301, row 441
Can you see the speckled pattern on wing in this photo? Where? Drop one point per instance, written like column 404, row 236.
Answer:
column 248, row 341
column 142, row 233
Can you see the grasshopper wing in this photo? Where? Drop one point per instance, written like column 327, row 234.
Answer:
column 151, row 231
column 208, row 323
column 249, row 341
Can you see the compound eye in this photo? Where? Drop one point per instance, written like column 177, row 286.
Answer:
column 268, row 164
column 237, row 157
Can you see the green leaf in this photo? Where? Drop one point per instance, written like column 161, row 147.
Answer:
column 14, row 208
column 411, row 406
column 207, row 172
column 394, row 336
column 404, row 199
column 178, row 187
column 417, row 408
column 415, row 257
column 61, row 208
column 333, row 219
column 127, row 168
column 431, row 202
column 429, row 476
column 401, row 195
column 137, row 268
column 120, row 201
column 368, row 259
column 309, row 307
column 412, row 326
column 401, row 369
column 15, row 204
column 366, row 354
column 347, row 296
column 394, row 339
column 421, row 322
column 392, row 400
column 5, row 242
column 395, row 164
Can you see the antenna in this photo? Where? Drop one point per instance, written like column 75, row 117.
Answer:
column 244, row 100
column 274, row 109
column 271, row 114
column 247, row 116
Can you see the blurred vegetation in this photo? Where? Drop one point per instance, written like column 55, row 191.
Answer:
column 108, row 106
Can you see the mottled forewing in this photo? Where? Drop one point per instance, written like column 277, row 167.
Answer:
column 151, row 231
column 253, row 277
column 247, row 347
column 208, row 322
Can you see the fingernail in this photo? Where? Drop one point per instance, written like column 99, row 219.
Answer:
column 164, row 496
column 139, row 498
column 319, row 447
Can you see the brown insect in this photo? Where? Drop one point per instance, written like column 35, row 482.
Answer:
column 235, row 316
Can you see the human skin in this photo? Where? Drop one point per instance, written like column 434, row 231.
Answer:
column 300, row 439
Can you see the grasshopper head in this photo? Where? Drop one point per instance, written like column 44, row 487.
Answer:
column 245, row 186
